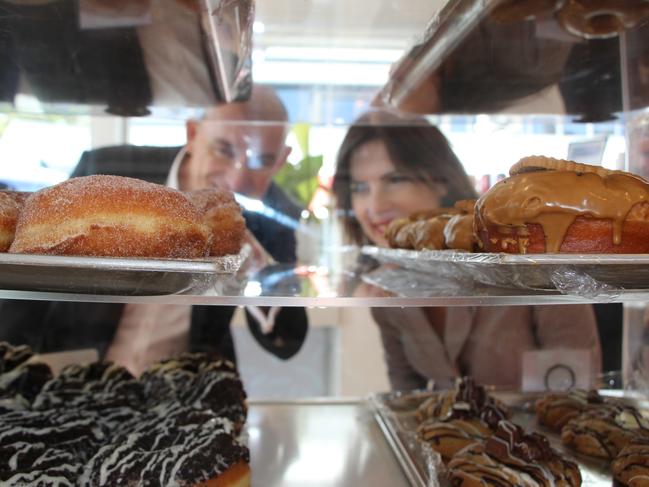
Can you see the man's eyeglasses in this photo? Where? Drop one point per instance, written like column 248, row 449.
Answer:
column 248, row 157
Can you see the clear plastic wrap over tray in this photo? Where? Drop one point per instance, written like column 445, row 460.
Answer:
column 395, row 413
column 112, row 275
column 602, row 276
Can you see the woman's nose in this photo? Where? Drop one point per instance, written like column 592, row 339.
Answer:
column 378, row 201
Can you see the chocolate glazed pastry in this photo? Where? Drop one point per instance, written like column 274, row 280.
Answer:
column 483, row 406
column 459, row 429
column 556, row 409
column 11, row 356
column 195, row 379
column 171, row 445
column 631, row 466
column 47, row 447
column 605, row 431
column 512, row 458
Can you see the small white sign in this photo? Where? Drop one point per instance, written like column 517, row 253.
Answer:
column 556, row 370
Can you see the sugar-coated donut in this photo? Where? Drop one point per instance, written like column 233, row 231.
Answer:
column 111, row 216
column 599, row 19
column 223, row 215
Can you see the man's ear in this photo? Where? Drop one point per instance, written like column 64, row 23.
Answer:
column 191, row 128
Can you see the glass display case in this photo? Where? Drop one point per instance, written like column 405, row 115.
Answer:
column 279, row 142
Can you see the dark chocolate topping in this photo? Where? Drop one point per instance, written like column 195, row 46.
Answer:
column 510, row 440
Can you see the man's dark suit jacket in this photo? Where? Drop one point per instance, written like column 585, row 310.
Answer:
column 56, row 326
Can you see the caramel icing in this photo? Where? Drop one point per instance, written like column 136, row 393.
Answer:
column 554, row 199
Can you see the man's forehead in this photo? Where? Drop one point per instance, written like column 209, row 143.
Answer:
column 233, row 130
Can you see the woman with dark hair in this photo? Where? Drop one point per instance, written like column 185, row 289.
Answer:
column 390, row 167
column 421, row 172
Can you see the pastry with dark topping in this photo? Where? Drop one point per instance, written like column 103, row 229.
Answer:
column 485, row 407
column 604, row 432
column 631, row 466
column 556, row 409
column 203, row 380
column 459, row 429
column 20, row 386
column 512, row 458
column 12, row 356
column 172, row 445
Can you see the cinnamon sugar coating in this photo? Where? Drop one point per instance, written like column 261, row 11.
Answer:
column 111, row 216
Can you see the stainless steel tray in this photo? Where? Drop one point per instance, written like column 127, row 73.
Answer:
column 395, row 413
column 319, row 442
column 115, row 276
column 583, row 274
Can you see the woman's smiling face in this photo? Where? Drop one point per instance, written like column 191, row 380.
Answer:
column 382, row 192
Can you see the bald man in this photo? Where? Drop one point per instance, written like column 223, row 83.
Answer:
column 239, row 146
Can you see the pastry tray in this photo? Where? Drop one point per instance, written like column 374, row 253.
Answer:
column 114, row 276
column 584, row 274
column 395, row 414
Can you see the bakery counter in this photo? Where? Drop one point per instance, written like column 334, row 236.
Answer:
column 319, row 442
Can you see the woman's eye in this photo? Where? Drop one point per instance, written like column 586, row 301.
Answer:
column 399, row 178
column 358, row 187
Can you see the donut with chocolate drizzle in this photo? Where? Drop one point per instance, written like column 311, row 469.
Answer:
column 511, row 457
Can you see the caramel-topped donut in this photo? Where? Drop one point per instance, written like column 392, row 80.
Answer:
column 111, row 216
column 600, row 19
column 564, row 207
column 223, row 215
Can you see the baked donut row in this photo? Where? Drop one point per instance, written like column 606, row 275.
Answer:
column 178, row 424
column 114, row 216
column 442, row 228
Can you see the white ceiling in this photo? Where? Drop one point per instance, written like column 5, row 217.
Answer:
column 378, row 24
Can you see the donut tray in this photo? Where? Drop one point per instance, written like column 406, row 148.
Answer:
column 395, row 414
column 114, row 276
column 587, row 275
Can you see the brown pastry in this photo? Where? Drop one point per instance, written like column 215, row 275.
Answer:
column 512, row 458
column 631, row 466
column 111, row 216
column 11, row 202
column 458, row 233
column 223, row 215
column 556, row 409
column 428, row 234
column 548, row 205
column 604, row 432
column 458, row 430
column 482, row 406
